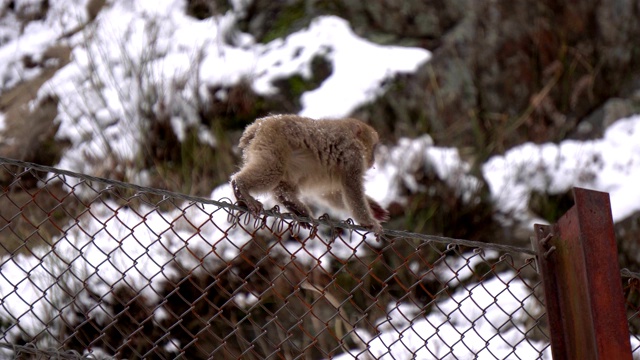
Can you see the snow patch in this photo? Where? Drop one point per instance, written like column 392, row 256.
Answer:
column 611, row 164
column 396, row 168
column 359, row 66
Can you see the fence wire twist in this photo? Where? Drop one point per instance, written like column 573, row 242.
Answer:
column 93, row 268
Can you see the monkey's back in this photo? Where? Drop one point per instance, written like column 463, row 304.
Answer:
column 310, row 150
column 326, row 140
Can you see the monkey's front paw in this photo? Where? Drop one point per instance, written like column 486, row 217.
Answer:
column 377, row 229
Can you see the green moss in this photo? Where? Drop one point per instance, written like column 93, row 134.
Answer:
column 550, row 207
column 291, row 89
column 297, row 85
column 200, row 168
column 288, row 20
column 203, row 9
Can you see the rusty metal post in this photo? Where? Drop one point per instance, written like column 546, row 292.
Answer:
column 578, row 261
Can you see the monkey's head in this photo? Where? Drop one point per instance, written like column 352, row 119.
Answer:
column 367, row 137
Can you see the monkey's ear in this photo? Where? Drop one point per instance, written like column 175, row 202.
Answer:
column 356, row 128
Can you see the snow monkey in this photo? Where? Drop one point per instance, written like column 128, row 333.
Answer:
column 286, row 155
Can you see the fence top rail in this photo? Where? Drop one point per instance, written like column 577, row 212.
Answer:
column 226, row 203
column 629, row 274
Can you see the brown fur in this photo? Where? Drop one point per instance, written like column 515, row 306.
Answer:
column 288, row 154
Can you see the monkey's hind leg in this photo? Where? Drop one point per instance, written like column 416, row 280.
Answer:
column 244, row 199
column 255, row 177
column 335, row 200
column 287, row 195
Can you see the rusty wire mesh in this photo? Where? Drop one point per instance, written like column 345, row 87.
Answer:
column 98, row 269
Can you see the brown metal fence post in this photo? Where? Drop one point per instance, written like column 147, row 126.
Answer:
column 578, row 261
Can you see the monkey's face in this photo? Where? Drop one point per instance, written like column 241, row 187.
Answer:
column 370, row 142
column 370, row 154
column 366, row 139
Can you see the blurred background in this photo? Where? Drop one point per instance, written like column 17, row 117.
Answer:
column 489, row 111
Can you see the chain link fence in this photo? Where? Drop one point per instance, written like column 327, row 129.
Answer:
column 91, row 268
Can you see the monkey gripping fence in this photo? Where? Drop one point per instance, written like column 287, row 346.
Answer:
column 92, row 268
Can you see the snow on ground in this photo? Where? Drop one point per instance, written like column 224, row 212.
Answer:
column 34, row 39
column 484, row 322
column 150, row 54
column 108, row 246
column 610, row 164
column 396, row 165
column 359, row 67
